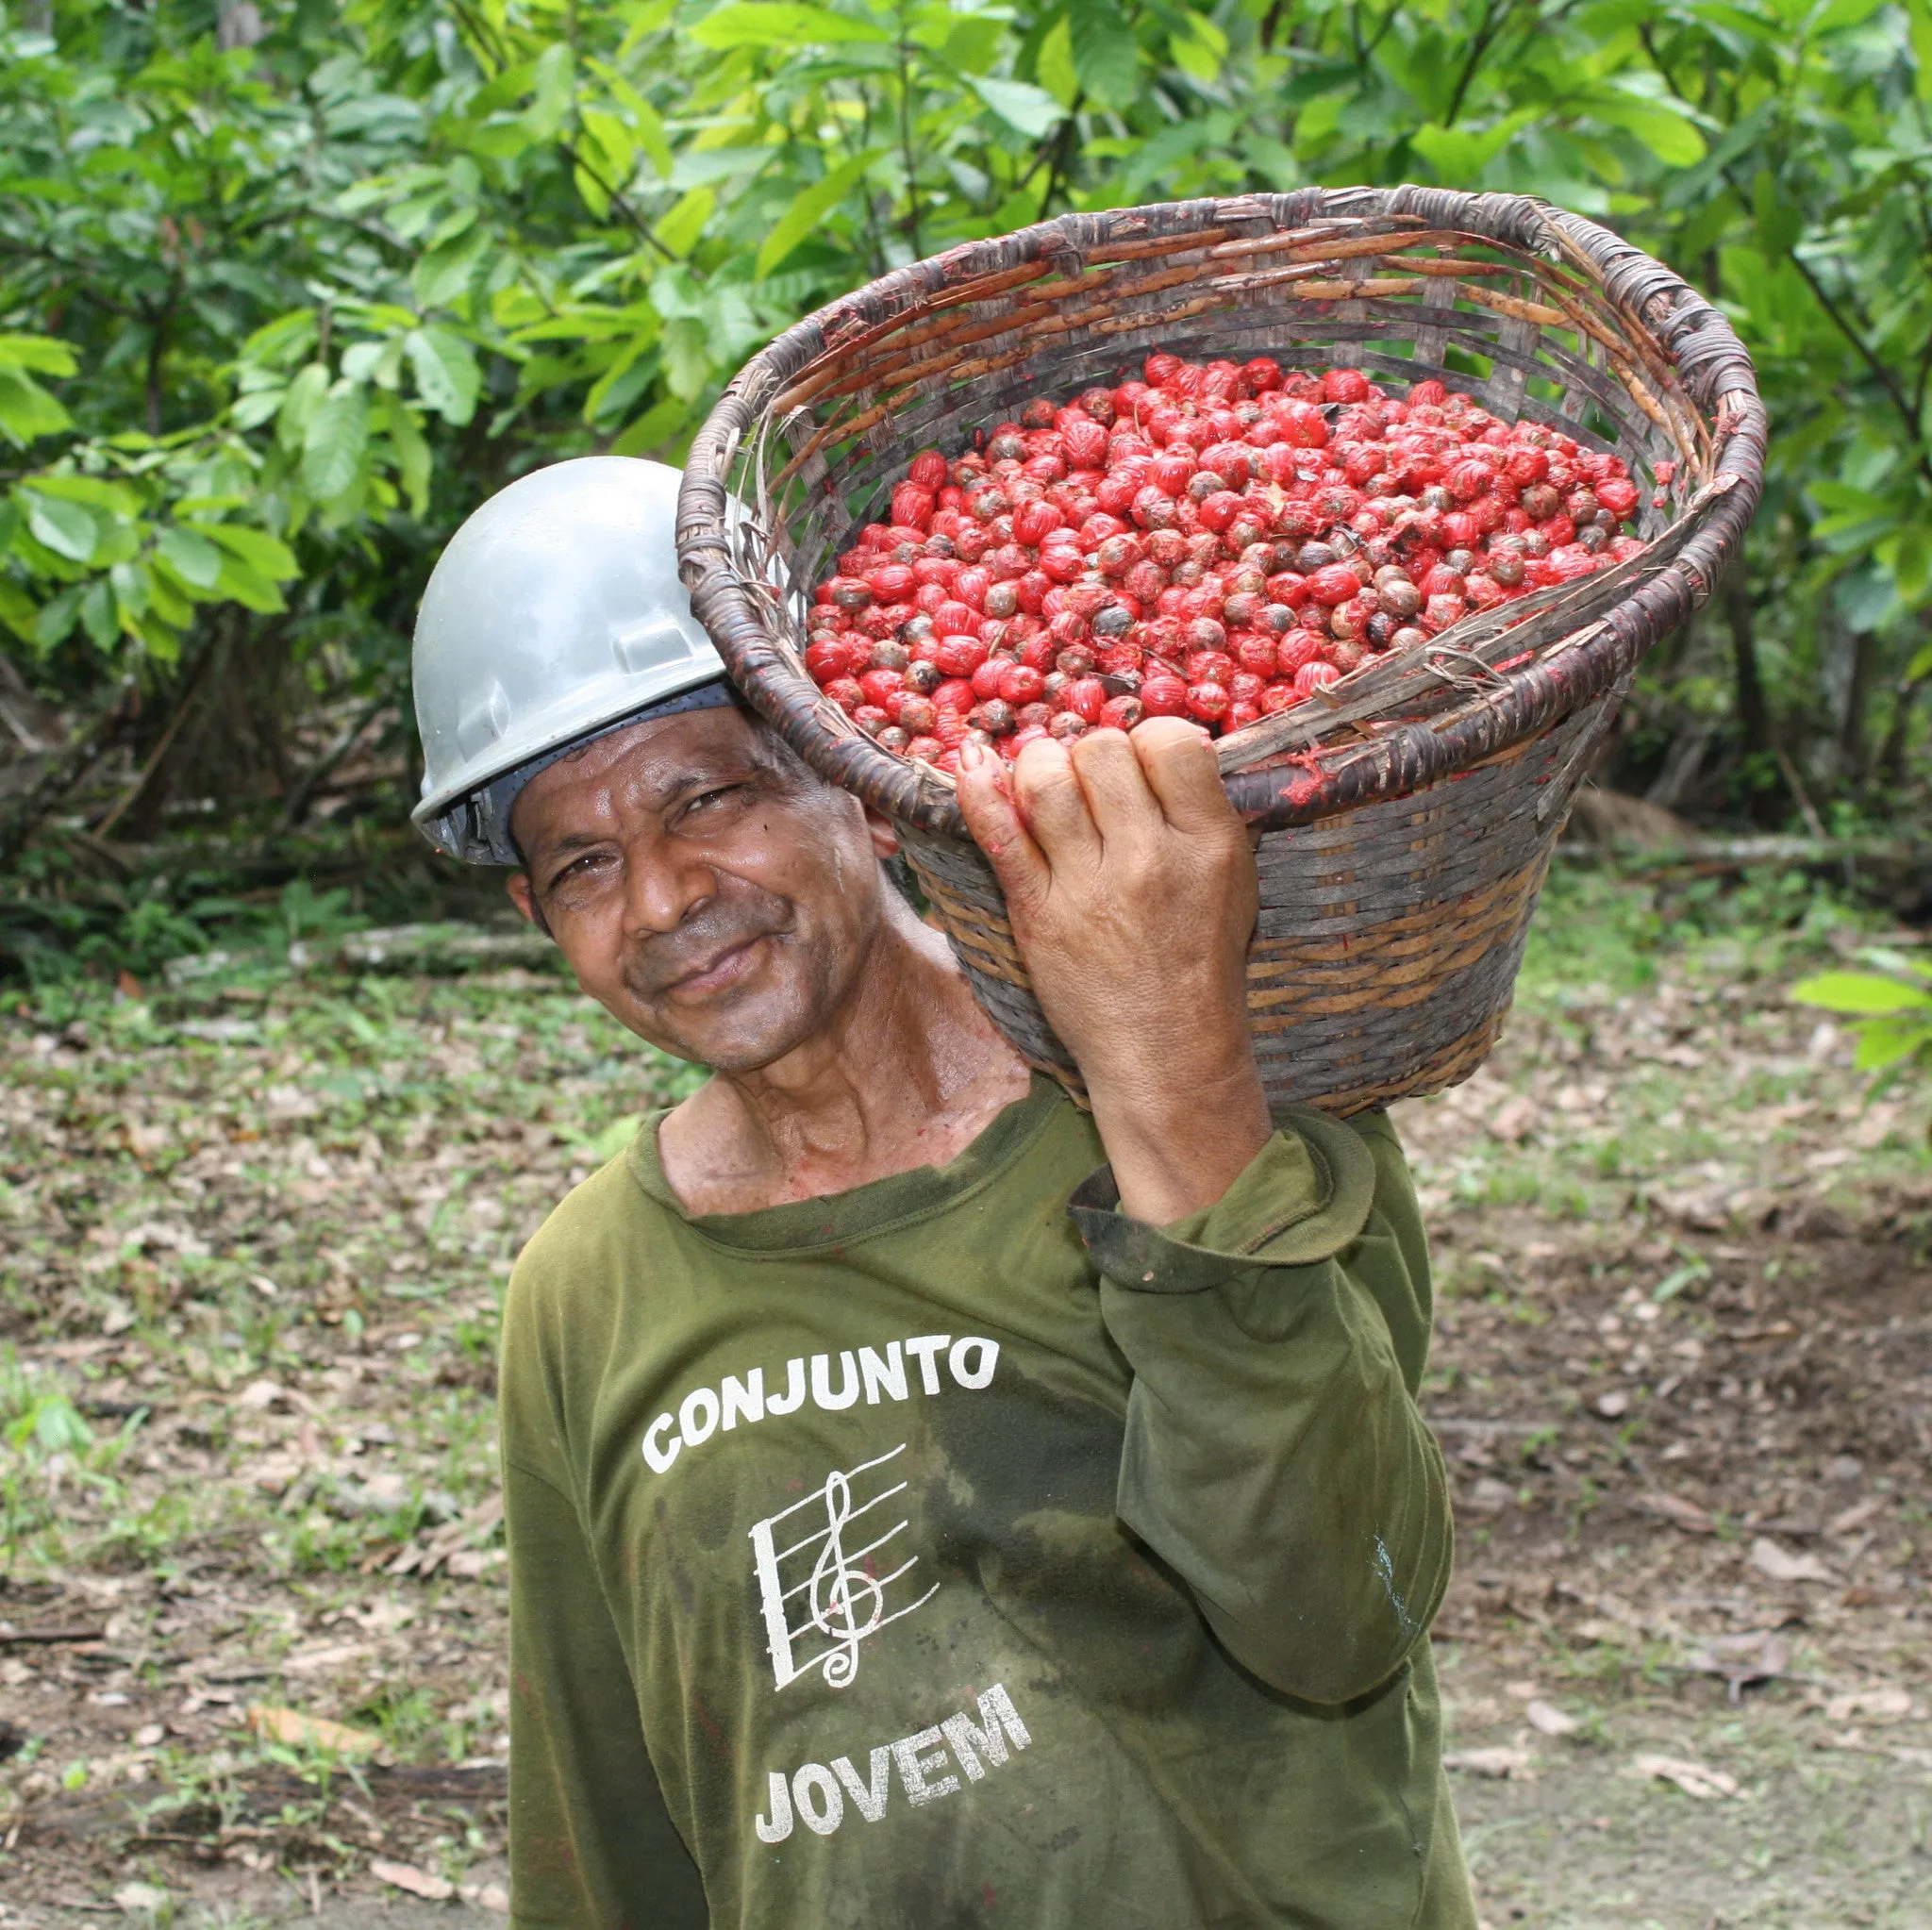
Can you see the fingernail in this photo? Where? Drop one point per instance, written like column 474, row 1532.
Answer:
column 971, row 756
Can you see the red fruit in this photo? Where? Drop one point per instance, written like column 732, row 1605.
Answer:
column 1207, row 702
column 1618, row 496
column 1304, row 426
column 1257, row 653
column 1160, row 366
column 880, row 683
column 913, row 505
column 1345, row 384
column 1084, row 441
column 1244, row 686
column 1062, row 563
column 1346, row 654
column 848, row 592
column 825, row 661
column 985, row 679
column 1430, row 393
column 1315, row 676
column 1484, row 591
column 957, row 694
column 918, row 715
column 1288, row 587
column 1164, row 695
column 844, row 692
column 1019, row 684
column 1261, row 374
column 1438, row 612
column 1295, row 649
column 892, row 582
column 1239, row 715
column 1218, row 511
column 1087, row 698
column 1209, row 666
column 1033, row 522
column 1278, row 697
column 1203, row 633
column 960, row 656
column 1441, row 581
column 873, row 721
column 1334, row 583
column 1122, row 713
column 927, row 469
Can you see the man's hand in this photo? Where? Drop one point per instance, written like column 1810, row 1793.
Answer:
column 1131, row 889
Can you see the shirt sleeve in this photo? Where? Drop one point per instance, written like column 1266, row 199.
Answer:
column 1275, row 1454
column 592, row 1843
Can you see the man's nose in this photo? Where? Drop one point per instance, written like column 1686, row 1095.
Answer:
column 662, row 887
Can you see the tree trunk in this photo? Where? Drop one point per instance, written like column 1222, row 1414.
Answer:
column 1891, row 759
column 1754, row 716
column 1852, row 750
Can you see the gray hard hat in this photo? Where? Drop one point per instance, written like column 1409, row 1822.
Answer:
column 555, row 613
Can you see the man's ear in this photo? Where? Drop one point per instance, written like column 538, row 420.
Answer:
column 520, row 895
column 885, row 839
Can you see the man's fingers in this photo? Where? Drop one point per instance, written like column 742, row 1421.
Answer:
column 1182, row 772
column 985, row 802
column 1054, row 805
column 1116, row 789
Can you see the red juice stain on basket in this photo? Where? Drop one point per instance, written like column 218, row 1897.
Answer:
column 1217, row 541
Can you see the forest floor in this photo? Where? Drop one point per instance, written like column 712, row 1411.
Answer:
column 253, row 1239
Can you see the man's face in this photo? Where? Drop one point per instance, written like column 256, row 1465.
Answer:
column 712, row 894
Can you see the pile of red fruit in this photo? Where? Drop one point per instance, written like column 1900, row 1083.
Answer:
column 1216, row 541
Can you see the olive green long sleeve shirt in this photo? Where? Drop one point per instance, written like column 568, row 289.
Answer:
column 942, row 1553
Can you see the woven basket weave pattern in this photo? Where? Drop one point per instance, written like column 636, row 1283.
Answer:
column 1407, row 818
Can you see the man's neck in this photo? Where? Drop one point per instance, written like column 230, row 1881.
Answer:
column 909, row 1074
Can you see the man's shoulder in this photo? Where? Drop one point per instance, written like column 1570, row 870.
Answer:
column 600, row 1218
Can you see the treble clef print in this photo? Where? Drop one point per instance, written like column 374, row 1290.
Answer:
column 846, row 1602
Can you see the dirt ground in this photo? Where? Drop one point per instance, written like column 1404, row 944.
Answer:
column 254, row 1237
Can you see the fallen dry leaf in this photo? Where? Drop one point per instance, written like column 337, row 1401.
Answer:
column 138, row 1898
column 1515, row 1118
column 1499, row 1762
column 1548, row 1719
column 435, row 1889
column 1781, row 1565
column 1885, row 1703
column 311, row 1732
column 486, row 1896
column 1855, row 1517
column 1740, row 1660
column 1614, row 1404
column 1693, row 1779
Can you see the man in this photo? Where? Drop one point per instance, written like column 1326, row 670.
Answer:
column 929, row 1503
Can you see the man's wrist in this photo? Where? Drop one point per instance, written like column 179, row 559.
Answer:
column 1178, row 1136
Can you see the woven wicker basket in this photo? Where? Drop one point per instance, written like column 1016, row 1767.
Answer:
column 1408, row 814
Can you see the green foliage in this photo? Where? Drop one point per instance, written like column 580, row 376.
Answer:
column 273, row 316
column 1891, row 1009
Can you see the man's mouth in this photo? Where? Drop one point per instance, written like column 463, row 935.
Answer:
column 722, row 969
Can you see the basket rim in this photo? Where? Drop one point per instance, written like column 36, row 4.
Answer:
column 1709, row 361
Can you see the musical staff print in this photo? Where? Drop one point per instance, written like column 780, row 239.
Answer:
column 821, row 1598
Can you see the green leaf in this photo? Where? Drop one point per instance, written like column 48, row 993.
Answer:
column 1054, row 69
column 336, row 442
column 411, row 449
column 679, row 229
column 42, row 354
column 1105, row 55
column 190, row 556
column 809, row 207
column 781, row 24
column 27, row 410
column 98, row 616
column 266, row 555
column 1859, row 992
column 1030, row 109
column 555, row 83
column 445, row 270
column 299, row 405
column 1884, row 1042
column 1198, row 47
column 66, row 528
column 448, row 379
column 687, row 356
column 1460, row 154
